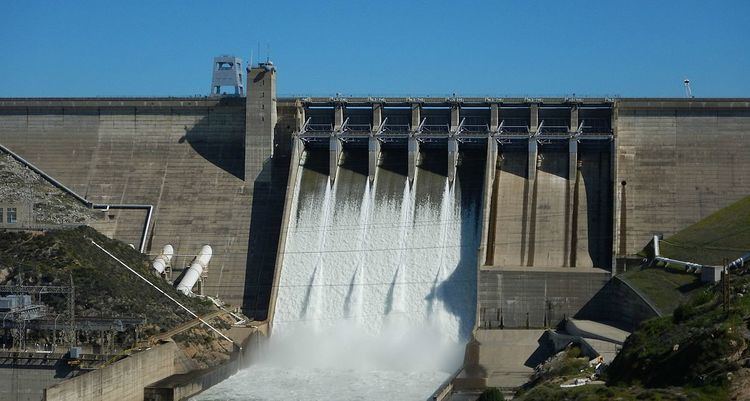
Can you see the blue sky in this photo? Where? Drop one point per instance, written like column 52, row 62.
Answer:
column 502, row 48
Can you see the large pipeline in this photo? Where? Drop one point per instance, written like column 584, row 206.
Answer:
column 160, row 262
column 196, row 269
column 735, row 264
column 739, row 262
column 687, row 265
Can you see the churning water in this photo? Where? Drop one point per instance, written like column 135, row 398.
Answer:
column 377, row 293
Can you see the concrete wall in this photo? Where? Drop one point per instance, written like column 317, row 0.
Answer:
column 618, row 304
column 123, row 380
column 23, row 214
column 182, row 386
column 187, row 157
column 24, row 376
column 546, row 296
column 557, row 215
column 184, row 157
column 681, row 160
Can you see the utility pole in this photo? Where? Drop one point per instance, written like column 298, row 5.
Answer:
column 726, row 288
column 72, row 313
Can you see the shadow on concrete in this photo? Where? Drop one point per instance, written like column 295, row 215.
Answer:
column 314, row 159
column 544, row 350
column 267, row 209
column 554, row 162
column 595, row 171
column 434, row 160
column 617, row 305
column 514, row 162
column 219, row 138
column 394, row 160
column 355, row 160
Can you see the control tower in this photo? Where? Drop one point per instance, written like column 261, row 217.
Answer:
column 227, row 71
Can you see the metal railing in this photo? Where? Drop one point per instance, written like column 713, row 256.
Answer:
column 596, row 126
column 396, row 129
column 358, row 128
column 514, row 126
column 435, row 128
column 555, row 127
column 476, row 128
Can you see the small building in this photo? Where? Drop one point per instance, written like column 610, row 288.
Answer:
column 15, row 215
column 711, row 274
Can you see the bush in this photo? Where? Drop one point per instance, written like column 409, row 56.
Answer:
column 683, row 313
column 491, row 394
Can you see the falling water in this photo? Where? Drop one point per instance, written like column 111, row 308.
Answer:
column 389, row 283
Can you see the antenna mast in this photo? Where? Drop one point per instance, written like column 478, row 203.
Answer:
column 688, row 91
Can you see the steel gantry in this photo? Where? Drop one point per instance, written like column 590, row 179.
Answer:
column 419, row 131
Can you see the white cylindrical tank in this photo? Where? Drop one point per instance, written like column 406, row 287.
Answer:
column 194, row 272
column 161, row 261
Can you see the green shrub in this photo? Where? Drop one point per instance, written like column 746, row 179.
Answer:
column 491, row 394
column 683, row 313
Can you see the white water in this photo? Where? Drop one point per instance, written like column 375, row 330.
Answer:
column 376, row 298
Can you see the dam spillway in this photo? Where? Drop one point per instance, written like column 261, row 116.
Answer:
column 377, row 292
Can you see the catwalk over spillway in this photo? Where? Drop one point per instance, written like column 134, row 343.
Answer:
column 377, row 292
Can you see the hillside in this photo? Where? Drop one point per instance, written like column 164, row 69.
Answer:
column 103, row 287
column 665, row 287
column 699, row 353
column 722, row 235
column 50, row 205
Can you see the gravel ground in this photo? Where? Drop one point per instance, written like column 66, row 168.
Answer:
column 20, row 184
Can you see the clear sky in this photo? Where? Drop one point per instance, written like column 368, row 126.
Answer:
column 389, row 47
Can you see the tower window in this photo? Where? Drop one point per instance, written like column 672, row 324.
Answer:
column 12, row 215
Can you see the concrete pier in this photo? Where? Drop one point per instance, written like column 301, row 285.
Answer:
column 413, row 144
column 413, row 150
column 572, row 200
column 335, row 148
column 452, row 158
column 334, row 155
column 453, row 142
column 532, row 160
column 373, row 144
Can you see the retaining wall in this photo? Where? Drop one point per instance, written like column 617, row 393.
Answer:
column 507, row 298
column 123, row 380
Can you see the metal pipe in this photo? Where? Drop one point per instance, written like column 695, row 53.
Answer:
column 735, row 264
column 688, row 265
column 739, row 262
column 656, row 246
column 89, row 204
column 165, row 257
column 196, row 269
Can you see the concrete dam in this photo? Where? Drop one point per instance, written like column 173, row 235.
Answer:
column 376, row 231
